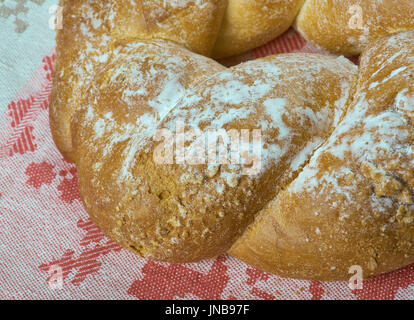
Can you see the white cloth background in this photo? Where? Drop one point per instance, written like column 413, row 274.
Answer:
column 25, row 38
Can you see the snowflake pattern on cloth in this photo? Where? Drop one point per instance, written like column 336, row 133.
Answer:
column 43, row 226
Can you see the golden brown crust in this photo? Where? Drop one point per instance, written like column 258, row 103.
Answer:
column 90, row 28
column 249, row 24
column 191, row 23
column 184, row 212
column 80, row 46
column 144, row 80
column 353, row 203
column 335, row 181
column 347, row 26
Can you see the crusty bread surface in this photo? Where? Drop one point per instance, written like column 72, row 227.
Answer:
column 347, row 26
column 184, row 212
column 353, row 203
column 249, row 24
column 329, row 183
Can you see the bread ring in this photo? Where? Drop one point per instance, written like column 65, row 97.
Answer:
column 353, row 203
column 330, row 183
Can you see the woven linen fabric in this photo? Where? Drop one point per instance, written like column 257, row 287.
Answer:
column 50, row 249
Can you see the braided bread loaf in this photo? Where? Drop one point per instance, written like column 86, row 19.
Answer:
column 330, row 186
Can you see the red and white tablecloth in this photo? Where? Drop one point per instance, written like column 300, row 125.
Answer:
column 45, row 231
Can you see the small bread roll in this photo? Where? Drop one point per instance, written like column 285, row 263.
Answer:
column 183, row 211
column 251, row 23
column 353, row 203
column 347, row 26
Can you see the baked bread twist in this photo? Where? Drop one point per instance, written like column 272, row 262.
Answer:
column 334, row 184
